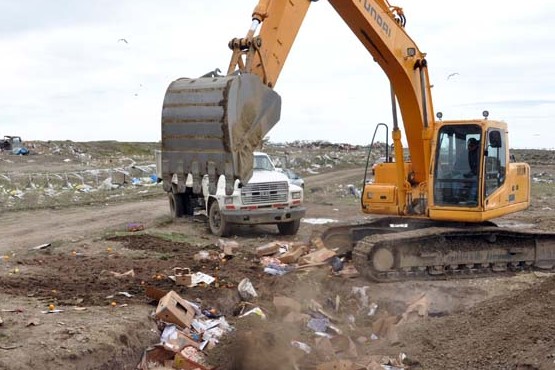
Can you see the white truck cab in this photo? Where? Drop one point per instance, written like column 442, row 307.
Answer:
column 268, row 198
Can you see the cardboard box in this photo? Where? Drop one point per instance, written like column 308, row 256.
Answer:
column 175, row 310
column 183, row 276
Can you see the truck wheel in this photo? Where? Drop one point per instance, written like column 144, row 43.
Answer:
column 289, row 228
column 218, row 226
column 177, row 208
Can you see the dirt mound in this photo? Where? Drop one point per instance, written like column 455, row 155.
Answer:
column 515, row 331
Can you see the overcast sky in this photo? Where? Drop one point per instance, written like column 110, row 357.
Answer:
column 65, row 73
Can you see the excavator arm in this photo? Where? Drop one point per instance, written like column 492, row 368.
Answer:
column 212, row 124
column 379, row 27
column 221, row 120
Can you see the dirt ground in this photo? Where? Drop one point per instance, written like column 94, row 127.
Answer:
column 502, row 322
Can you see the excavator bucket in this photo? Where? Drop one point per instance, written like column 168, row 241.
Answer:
column 212, row 125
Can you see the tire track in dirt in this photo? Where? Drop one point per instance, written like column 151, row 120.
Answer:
column 29, row 228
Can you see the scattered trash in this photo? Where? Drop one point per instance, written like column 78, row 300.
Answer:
column 256, row 311
column 175, row 310
column 317, row 307
column 10, row 347
column 319, row 256
column 318, row 324
column 302, row 346
column 133, row 227
column 206, row 256
column 19, row 310
column 201, row 277
column 53, row 311
column 191, row 358
column 336, row 264
column 293, row 254
column 183, row 276
column 212, row 313
column 318, row 221
column 229, row 247
column 130, row 273
column 268, row 249
column 277, row 270
column 348, row 271
column 175, row 340
column 372, row 309
column 246, row 290
column 361, row 293
column 42, row 246
column 187, row 333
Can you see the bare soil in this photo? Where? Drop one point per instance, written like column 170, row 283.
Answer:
column 488, row 323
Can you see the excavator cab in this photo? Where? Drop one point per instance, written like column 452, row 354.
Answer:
column 472, row 179
column 457, row 163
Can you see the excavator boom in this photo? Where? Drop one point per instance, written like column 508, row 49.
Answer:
column 377, row 25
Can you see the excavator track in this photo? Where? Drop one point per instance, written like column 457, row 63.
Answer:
column 397, row 249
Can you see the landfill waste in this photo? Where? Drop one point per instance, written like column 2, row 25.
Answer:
column 246, row 290
column 302, row 346
column 188, row 332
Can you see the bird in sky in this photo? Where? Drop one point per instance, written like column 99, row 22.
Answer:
column 452, row 75
column 123, row 40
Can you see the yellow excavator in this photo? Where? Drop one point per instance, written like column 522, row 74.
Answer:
column 435, row 205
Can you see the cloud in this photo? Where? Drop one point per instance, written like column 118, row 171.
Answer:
column 65, row 75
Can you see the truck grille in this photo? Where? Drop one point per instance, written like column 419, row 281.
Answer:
column 266, row 192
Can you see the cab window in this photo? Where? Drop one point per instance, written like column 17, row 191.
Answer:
column 457, row 165
column 495, row 165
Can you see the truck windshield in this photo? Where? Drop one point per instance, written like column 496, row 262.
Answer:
column 263, row 163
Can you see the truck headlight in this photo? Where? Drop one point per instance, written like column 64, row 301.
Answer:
column 296, row 195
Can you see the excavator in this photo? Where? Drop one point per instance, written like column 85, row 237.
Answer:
column 434, row 208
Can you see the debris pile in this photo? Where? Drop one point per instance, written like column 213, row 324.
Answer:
column 279, row 258
column 188, row 332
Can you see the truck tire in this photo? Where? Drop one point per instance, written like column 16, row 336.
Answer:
column 289, row 228
column 218, row 226
column 177, row 208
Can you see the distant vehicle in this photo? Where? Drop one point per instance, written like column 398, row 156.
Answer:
column 14, row 145
column 292, row 176
column 10, row 142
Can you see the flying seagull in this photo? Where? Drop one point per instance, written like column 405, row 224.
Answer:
column 452, row 75
column 123, row 40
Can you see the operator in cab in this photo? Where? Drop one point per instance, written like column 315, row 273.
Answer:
column 473, row 157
